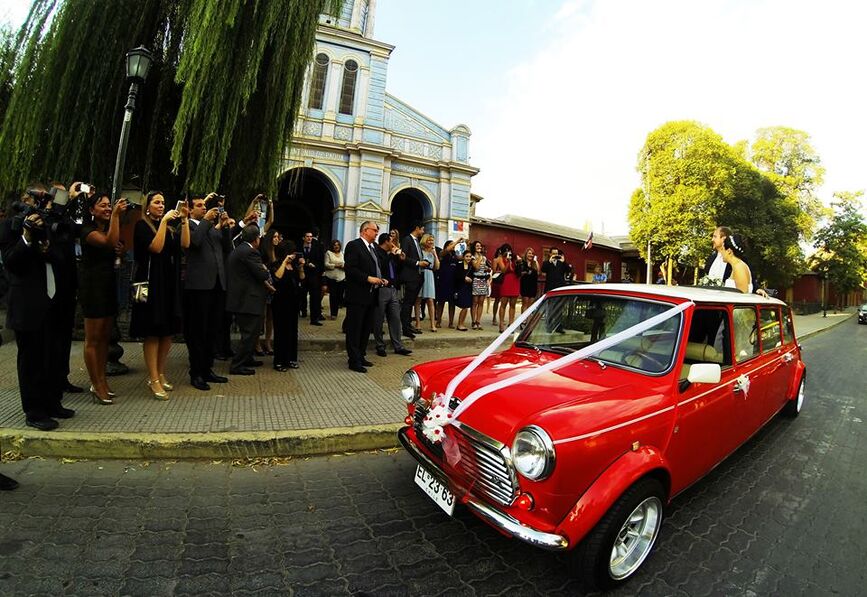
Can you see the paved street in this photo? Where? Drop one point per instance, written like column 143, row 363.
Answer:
column 784, row 516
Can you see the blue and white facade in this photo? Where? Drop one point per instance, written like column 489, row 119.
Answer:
column 368, row 147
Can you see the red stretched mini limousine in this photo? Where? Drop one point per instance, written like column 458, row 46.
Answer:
column 611, row 400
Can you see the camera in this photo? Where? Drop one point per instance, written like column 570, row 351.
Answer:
column 53, row 217
column 221, row 211
column 85, row 188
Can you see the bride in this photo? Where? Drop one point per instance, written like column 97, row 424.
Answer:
column 733, row 253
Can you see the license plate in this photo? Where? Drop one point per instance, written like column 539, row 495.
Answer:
column 436, row 491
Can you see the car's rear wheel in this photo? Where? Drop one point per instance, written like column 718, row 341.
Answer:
column 793, row 406
column 620, row 543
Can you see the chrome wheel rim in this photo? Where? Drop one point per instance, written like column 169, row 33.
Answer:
column 800, row 395
column 635, row 538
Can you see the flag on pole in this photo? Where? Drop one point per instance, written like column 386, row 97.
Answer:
column 588, row 244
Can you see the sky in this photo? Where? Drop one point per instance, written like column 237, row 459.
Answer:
column 560, row 95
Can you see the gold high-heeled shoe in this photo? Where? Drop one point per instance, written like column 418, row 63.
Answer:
column 165, row 383
column 157, row 395
column 99, row 399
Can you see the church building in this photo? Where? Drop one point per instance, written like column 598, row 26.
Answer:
column 359, row 153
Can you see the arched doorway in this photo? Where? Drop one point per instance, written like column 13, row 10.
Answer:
column 306, row 200
column 408, row 206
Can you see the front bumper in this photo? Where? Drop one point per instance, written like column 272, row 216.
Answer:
column 862, row 317
column 492, row 516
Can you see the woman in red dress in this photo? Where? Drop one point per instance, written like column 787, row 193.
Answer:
column 510, row 287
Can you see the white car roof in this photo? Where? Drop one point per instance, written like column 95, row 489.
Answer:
column 706, row 294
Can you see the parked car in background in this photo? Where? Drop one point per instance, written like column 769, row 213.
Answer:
column 585, row 457
column 862, row 313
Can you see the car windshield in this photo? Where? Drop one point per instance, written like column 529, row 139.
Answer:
column 567, row 323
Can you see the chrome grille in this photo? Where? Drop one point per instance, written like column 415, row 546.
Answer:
column 485, row 463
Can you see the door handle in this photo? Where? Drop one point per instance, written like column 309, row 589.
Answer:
column 788, row 357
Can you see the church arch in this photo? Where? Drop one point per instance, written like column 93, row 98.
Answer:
column 307, row 198
column 407, row 205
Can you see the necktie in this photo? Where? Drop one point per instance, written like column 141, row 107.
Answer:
column 391, row 270
column 49, row 281
column 375, row 260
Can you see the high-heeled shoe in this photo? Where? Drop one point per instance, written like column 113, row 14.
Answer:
column 165, row 383
column 157, row 395
column 99, row 399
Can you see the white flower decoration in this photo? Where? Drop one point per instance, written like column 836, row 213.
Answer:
column 743, row 384
column 436, row 419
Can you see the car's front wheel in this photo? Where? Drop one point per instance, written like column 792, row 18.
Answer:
column 620, row 543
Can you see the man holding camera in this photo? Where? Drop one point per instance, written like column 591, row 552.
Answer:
column 388, row 307
column 557, row 272
column 204, row 285
column 35, row 308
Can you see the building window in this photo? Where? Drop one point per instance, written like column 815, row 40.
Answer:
column 347, row 93
column 317, row 83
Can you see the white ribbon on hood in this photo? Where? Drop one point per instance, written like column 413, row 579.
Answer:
column 585, row 352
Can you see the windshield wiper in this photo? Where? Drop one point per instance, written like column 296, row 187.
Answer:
column 525, row 344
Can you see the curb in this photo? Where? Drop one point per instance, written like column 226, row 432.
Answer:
column 178, row 446
column 826, row 328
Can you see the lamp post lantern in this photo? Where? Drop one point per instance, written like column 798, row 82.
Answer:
column 138, row 65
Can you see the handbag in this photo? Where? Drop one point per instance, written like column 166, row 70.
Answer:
column 497, row 278
column 139, row 292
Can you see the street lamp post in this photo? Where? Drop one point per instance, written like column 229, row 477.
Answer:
column 138, row 64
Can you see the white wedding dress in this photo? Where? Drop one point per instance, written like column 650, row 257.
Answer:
column 730, row 283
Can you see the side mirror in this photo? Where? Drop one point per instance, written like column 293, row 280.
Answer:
column 704, row 373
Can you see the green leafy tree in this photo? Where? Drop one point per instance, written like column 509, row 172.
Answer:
column 217, row 110
column 787, row 158
column 841, row 244
column 687, row 172
column 692, row 182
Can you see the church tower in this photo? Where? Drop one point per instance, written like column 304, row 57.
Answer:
column 359, row 153
column 355, row 16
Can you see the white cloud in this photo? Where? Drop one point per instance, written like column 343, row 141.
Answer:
column 561, row 144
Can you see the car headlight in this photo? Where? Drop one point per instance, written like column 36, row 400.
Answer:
column 533, row 453
column 410, row 386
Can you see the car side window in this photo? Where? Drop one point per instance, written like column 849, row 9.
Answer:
column 788, row 327
column 709, row 339
column 746, row 333
column 771, row 330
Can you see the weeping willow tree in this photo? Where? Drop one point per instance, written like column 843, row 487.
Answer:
column 216, row 112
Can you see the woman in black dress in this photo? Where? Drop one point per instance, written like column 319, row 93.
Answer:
column 528, row 270
column 463, row 285
column 267, row 246
column 288, row 273
column 97, row 287
column 157, row 249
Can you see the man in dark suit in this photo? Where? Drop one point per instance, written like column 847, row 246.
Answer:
column 34, row 305
column 557, row 272
column 314, row 265
column 388, row 305
column 363, row 280
column 204, row 284
column 411, row 277
column 245, row 298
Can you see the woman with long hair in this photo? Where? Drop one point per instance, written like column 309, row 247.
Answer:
column 288, row 273
column 463, row 285
column 428, row 292
column 528, row 270
column 267, row 247
column 741, row 277
column 335, row 277
column 97, row 287
column 495, row 289
column 157, row 249
column 445, row 282
column 481, row 282
column 510, row 287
